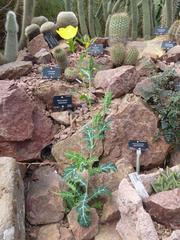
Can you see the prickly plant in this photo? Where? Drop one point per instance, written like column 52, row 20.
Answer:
column 47, row 27
column 131, row 57
column 61, row 58
column 134, row 19
column 177, row 36
column 117, row 53
column 147, row 21
column 2, row 59
column 118, row 28
column 39, row 20
column 11, row 42
column 169, row 12
column 91, row 18
column 32, row 31
column 82, row 18
column 173, row 29
column 66, row 18
column 71, row 73
column 68, row 5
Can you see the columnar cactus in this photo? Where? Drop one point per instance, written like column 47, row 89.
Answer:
column 91, row 18
column 117, row 52
column 118, row 28
column 82, row 19
column 61, row 58
column 66, row 18
column 147, row 24
column 131, row 57
column 32, row 31
column 134, row 19
column 169, row 12
column 11, row 42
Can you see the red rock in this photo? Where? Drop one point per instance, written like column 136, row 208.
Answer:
column 43, row 56
column 36, row 44
column 173, row 54
column 164, row 207
column 108, row 232
column 144, row 87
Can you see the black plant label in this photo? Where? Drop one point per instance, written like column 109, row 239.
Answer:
column 137, row 144
column 62, row 103
column 51, row 72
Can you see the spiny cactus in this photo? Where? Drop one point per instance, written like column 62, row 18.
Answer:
column 82, row 18
column 91, row 18
column 32, row 31
column 131, row 57
column 66, row 18
column 134, row 19
column 117, row 52
column 39, row 20
column 68, row 5
column 61, row 58
column 177, row 36
column 48, row 27
column 11, row 42
column 169, row 12
column 173, row 29
column 118, row 28
column 147, row 20
column 2, row 59
column 71, row 73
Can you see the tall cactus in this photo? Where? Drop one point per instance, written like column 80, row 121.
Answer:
column 91, row 18
column 169, row 12
column 11, row 43
column 82, row 19
column 28, row 13
column 134, row 19
column 68, row 5
column 147, row 24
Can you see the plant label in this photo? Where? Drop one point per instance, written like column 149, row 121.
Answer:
column 177, row 86
column 63, row 102
column 96, row 49
column 138, row 185
column 160, row 30
column 136, row 144
column 50, row 39
column 51, row 72
column 166, row 45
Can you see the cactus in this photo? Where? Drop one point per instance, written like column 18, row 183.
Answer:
column 177, row 36
column 82, row 19
column 32, row 31
column 169, row 12
column 131, row 57
column 28, row 13
column 66, row 18
column 117, row 52
column 134, row 19
column 119, row 28
column 48, row 27
column 147, row 24
column 173, row 29
column 91, row 18
column 107, row 26
column 71, row 73
column 39, row 20
column 11, row 42
column 61, row 58
column 2, row 59
column 68, row 5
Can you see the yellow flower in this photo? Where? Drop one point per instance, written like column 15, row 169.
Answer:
column 68, row 32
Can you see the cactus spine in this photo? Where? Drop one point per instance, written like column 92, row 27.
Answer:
column 60, row 56
column 134, row 19
column 91, row 18
column 131, row 56
column 82, row 19
column 147, row 26
column 117, row 52
column 11, row 43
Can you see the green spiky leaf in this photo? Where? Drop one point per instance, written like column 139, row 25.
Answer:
column 99, row 191
column 83, row 211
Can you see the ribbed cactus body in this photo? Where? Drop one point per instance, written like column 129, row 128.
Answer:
column 118, row 28
column 39, row 20
column 177, row 36
column 134, row 19
column 61, row 58
column 11, row 42
column 71, row 73
column 169, row 12
column 117, row 52
column 131, row 57
column 147, row 24
column 68, row 5
column 91, row 18
column 66, row 18
column 82, row 19
column 48, row 27
column 32, row 31
column 173, row 29
column 2, row 59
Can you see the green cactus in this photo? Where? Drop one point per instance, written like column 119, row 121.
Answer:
column 118, row 28
column 116, row 6
column 173, row 29
column 61, row 58
column 110, row 6
column 177, row 36
column 11, row 42
column 131, row 57
column 28, row 13
column 82, row 18
column 39, row 20
column 2, row 59
column 66, row 18
column 107, row 26
column 147, row 24
column 91, row 18
column 48, row 27
column 134, row 19
column 169, row 12
column 68, row 5
column 71, row 73
column 117, row 53
column 32, row 31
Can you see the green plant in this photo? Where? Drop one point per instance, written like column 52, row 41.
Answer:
column 2, row 59
column 78, row 174
column 68, row 5
column 65, row 19
column 173, row 29
column 85, row 40
column 47, row 27
column 91, row 18
column 147, row 21
column 11, row 42
column 117, row 53
column 177, row 36
column 32, row 31
column 82, row 19
column 71, row 73
column 134, row 19
column 131, row 56
column 167, row 180
column 61, row 58
column 39, row 20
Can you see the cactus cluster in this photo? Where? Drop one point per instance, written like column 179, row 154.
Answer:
column 48, row 27
column 32, row 31
column 61, row 58
column 131, row 56
column 39, row 20
column 71, row 73
column 66, row 18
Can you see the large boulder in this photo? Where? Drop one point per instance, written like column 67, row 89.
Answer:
column 36, row 44
column 25, row 130
column 164, row 207
column 15, row 70
column 119, row 81
column 174, row 236
column 12, row 214
column 108, row 232
column 131, row 120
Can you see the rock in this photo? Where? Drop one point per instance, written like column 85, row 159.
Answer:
column 36, row 44
column 173, row 54
column 175, row 158
column 131, row 119
column 164, row 207
column 43, row 56
column 24, row 55
column 175, row 235
column 66, row 234
column 110, row 209
column 140, row 45
column 146, row 67
column 144, row 88
column 101, row 40
column 119, row 81
column 74, row 143
column 15, row 70
column 43, row 202
column 108, row 232
column 81, row 233
column 61, row 117
column 135, row 223
column 12, row 215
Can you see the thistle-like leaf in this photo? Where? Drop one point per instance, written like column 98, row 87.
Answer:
column 83, row 211
column 70, row 172
column 89, row 137
column 108, row 167
column 99, row 191
column 79, row 160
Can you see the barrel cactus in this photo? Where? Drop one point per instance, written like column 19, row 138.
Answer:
column 66, row 18
column 39, row 20
column 131, row 57
column 119, row 28
column 48, row 27
column 117, row 52
column 61, row 58
column 173, row 29
column 71, row 73
column 32, row 31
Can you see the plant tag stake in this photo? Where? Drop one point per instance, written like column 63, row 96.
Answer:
column 96, row 49
column 63, row 102
column 50, row 39
column 166, row 45
column 51, row 72
column 161, row 30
